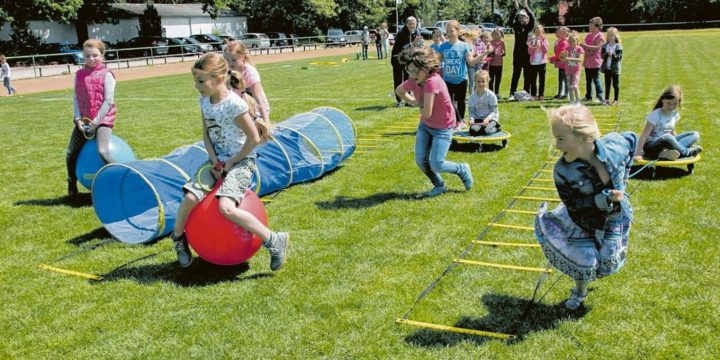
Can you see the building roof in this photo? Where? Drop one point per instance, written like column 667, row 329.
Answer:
column 172, row 10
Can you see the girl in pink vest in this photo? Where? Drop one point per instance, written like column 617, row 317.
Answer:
column 561, row 44
column 94, row 109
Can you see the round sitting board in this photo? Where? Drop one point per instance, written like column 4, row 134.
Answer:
column 464, row 137
column 687, row 161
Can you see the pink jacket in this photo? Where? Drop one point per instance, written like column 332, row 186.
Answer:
column 535, row 45
column 90, row 93
column 560, row 46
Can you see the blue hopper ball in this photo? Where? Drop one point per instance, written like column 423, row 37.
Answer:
column 89, row 161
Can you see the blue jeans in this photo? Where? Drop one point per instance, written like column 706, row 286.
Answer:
column 364, row 51
column 431, row 147
column 681, row 143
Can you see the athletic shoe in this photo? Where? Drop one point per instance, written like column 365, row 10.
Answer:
column 278, row 249
column 398, row 104
column 437, row 190
column 597, row 101
column 586, row 99
column 694, row 151
column 670, row 154
column 575, row 300
column 466, row 176
column 182, row 250
column 511, row 98
column 541, row 98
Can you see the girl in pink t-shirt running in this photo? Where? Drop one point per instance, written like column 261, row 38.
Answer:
column 236, row 55
column 426, row 89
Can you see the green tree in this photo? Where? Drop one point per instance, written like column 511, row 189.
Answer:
column 302, row 16
column 18, row 13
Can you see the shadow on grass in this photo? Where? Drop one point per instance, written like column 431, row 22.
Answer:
column 505, row 315
column 659, row 173
column 99, row 233
column 398, row 133
column 345, row 202
column 81, row 200
column 475, row 147
column 199, row 273
column 372, row 108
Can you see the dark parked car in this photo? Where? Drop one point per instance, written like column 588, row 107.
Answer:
column 278, row 39
column 335, row 37
column 62, row 53
column 154, row 45
column 182, row 46
column 209, row 39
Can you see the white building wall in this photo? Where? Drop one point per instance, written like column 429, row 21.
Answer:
column 233, row 26
column 176, row 26
column 125, row 30
column 48, row 32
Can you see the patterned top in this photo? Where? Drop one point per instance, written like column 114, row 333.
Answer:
column 225, row 135
column 483, row 105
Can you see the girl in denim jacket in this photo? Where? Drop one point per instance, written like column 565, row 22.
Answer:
column 586, row 236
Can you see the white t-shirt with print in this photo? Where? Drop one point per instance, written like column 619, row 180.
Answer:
column 224, row 133
column 663, row 123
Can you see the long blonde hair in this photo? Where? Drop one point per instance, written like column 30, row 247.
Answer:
column 578, row 118
column 238, row 49
column 237, row 84
column 213, row 64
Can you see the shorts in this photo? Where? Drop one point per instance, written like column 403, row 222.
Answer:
column 236, row 182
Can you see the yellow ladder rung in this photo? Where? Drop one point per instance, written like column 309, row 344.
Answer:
column 498, row 243
column 266, row 200
column 454, row 329
column 70, row 272
column 545, row 170
column 400, row 127
column 528, row 212
column 501, row 266
column 540, row 188
column 511, row 226
column 536, row 198
column 542, row 180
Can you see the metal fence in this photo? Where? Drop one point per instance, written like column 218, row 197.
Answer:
column 41, row 65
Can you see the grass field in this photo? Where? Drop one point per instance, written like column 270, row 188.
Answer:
column 363, row 248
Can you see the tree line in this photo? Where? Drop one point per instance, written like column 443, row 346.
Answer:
column 314, row 17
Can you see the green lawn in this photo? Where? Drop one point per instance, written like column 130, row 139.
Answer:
column 362, row 247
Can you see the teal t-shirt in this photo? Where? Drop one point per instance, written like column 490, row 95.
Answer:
column 453, row 64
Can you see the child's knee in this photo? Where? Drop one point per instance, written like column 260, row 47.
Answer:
column 190, row 198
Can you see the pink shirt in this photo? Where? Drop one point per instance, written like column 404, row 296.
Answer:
column 593, row 58
column 573, row 66
column 537, row 48
column 443, row 113
column 497, row 57
column 560, row 46
column 251, row 77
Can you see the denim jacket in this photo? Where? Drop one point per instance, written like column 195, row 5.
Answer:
column 588, row 207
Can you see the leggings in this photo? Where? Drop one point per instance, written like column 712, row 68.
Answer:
column 495, row 78
column 612, row 78
column 457, row 95
column 537, row 80
column 77, row 140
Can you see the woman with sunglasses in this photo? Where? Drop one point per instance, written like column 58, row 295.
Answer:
column 426, row 89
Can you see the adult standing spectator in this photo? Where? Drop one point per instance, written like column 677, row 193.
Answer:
column 385, row 37
column 365, row 38
column 522, row 21
column 592, row 45
column 408, row 37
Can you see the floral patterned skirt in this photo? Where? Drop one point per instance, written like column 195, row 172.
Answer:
column 576, row 252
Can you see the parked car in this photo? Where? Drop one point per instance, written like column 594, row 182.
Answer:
column 278, row 39
column 153, row 45
column 293, row 40
column 62, row 53
column 335, row 37
column 201, row 47
column 255, row 40
column 432, row 29
column 441, row 24
column 209, row 39
column 491, row 27
column 184, row 46
column 353, row 37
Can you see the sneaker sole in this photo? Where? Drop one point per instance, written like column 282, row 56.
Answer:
column 669, row 155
